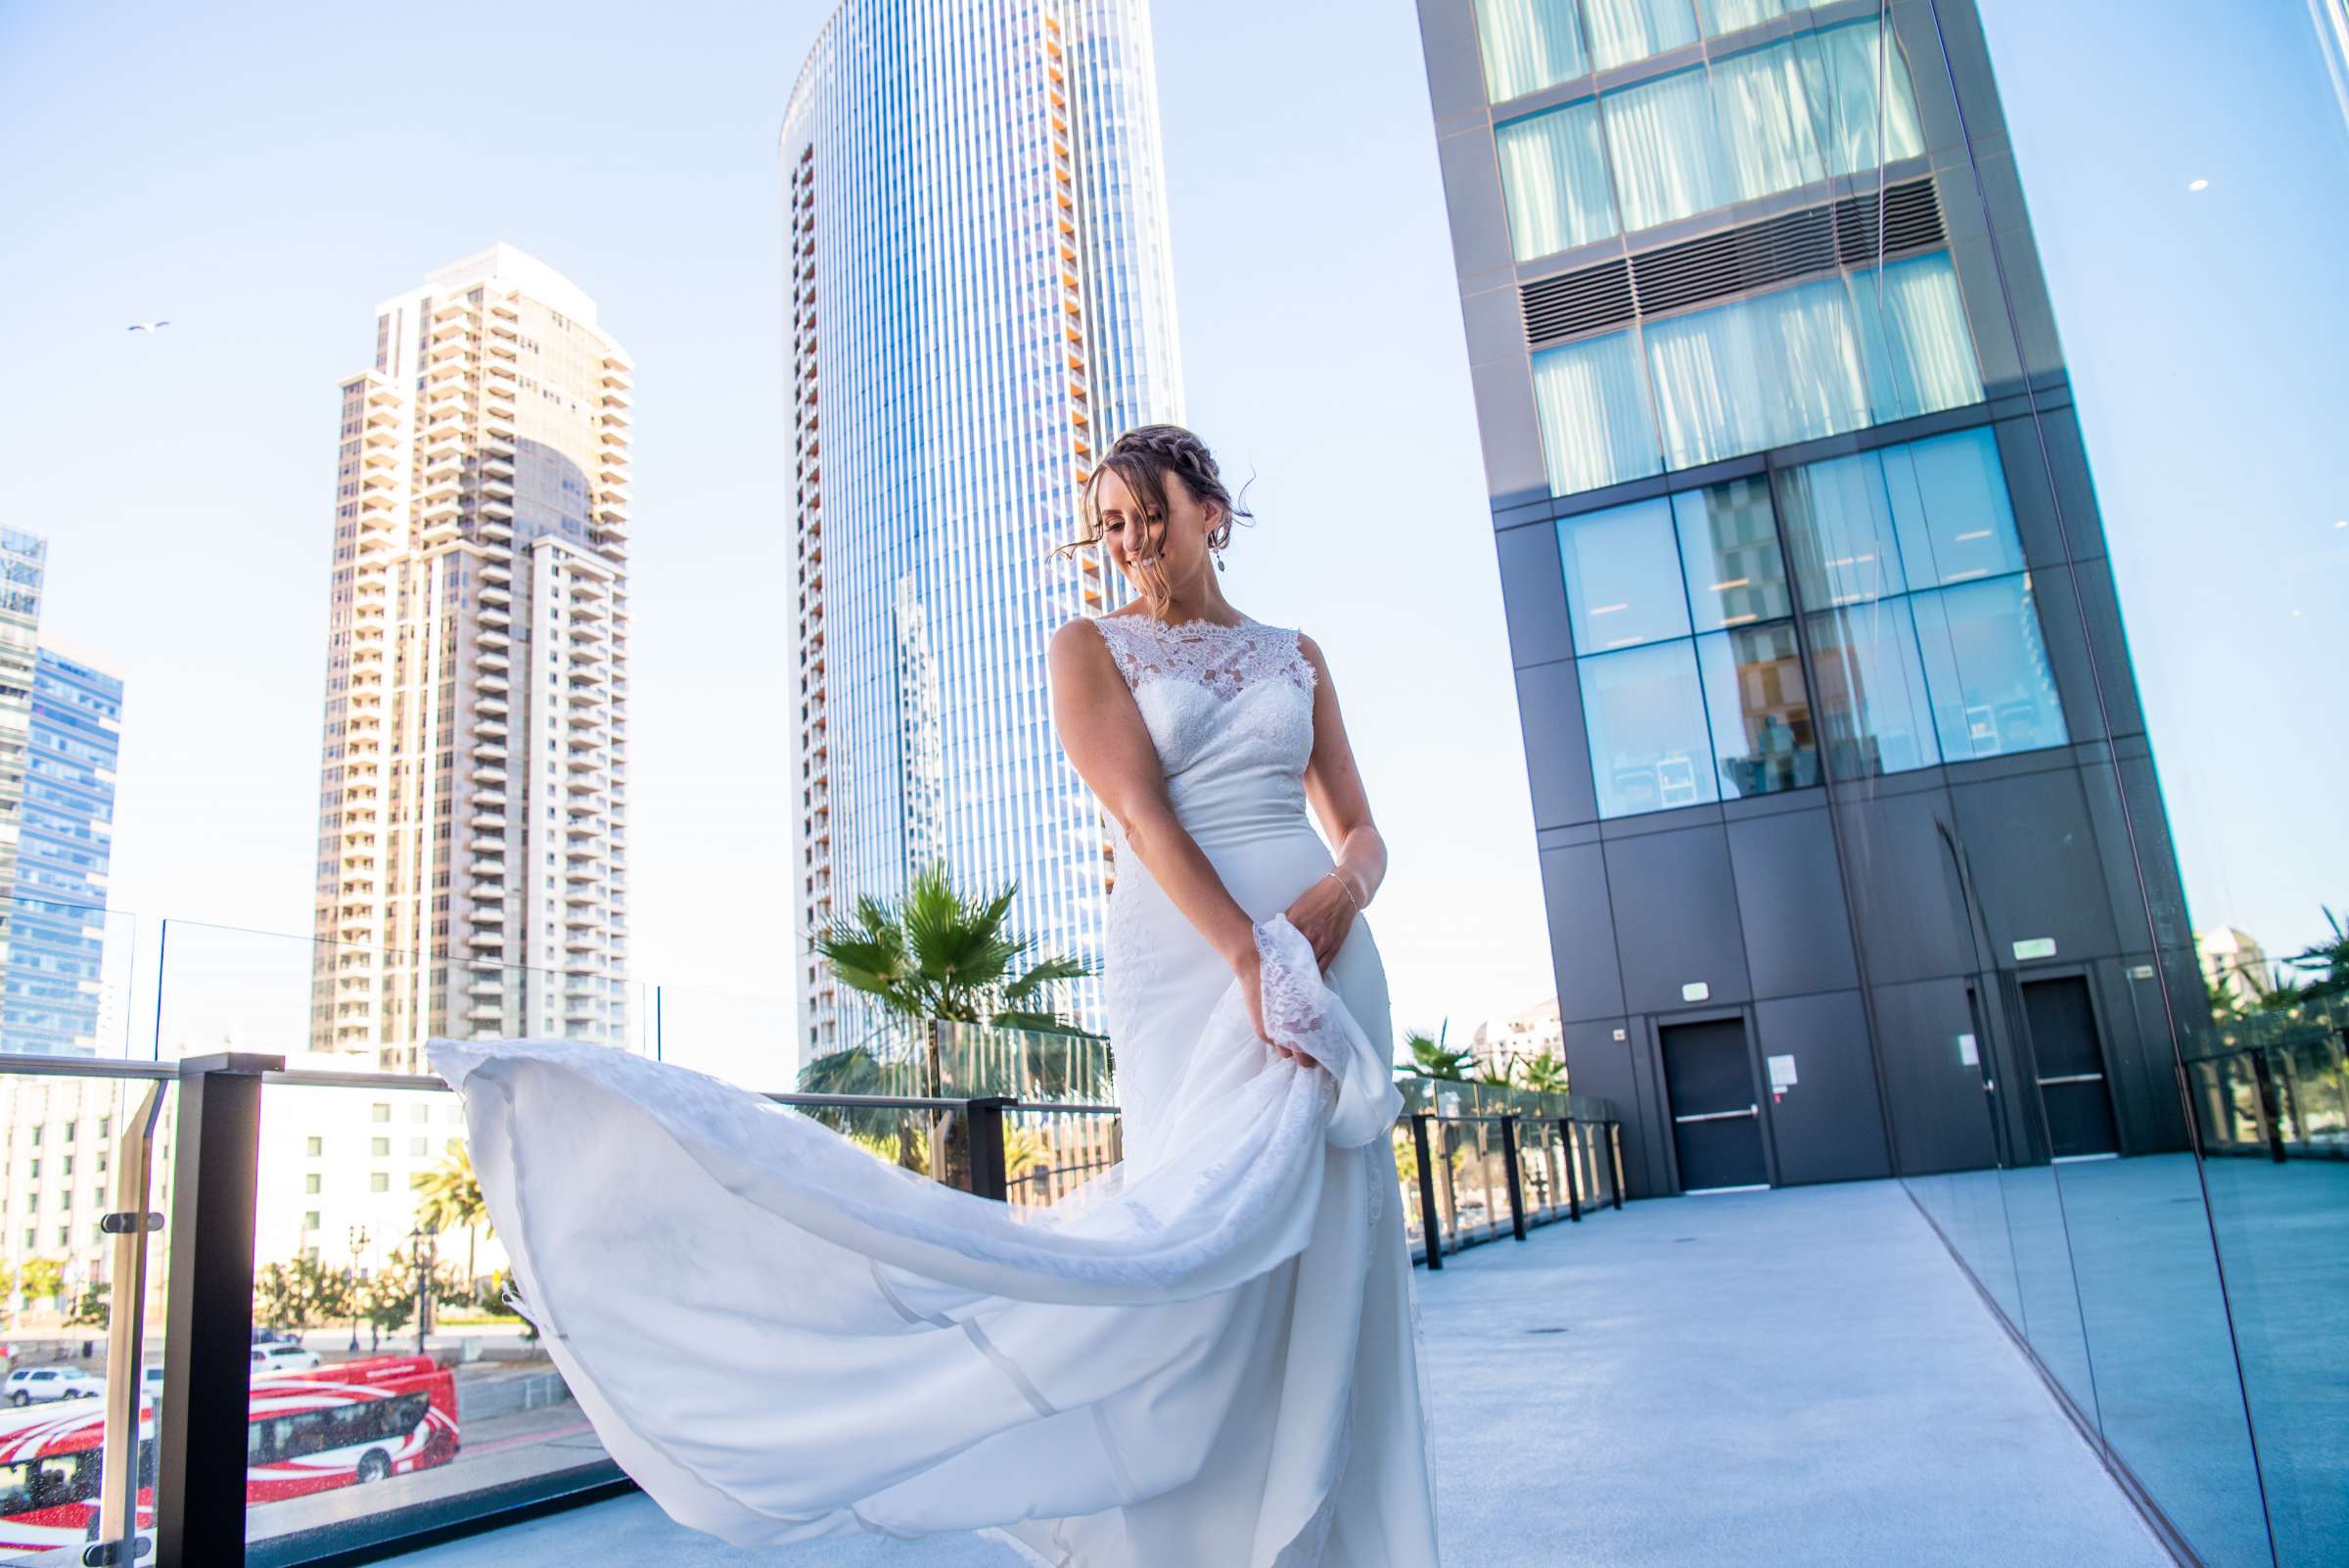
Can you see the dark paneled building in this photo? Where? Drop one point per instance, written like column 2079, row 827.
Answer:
column 1853, row 851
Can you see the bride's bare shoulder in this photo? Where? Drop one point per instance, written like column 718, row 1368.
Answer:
column 1310, row 652
column 1077, row 643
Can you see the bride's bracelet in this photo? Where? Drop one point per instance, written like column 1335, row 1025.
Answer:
column 1350, row 897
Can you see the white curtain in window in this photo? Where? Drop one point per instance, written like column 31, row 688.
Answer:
column 1554, row 178
column 1591, row 400
column 1667, row 150
column 1529, row 44
column 1762, row 372
column 1729, row 16
column 1768, row 132
column 1919, row 351
column 1625, row 30
column 1820, row 384
column 1842, row 65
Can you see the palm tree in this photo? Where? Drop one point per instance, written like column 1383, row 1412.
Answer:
column 938, row 957
column 857, row 1071
column 452, row 1196
column 1498, row 1075
column 1544, row 1073
column 2330, row 957
column 1431, row 1058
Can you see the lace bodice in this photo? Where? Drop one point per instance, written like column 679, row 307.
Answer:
column 1229, row 709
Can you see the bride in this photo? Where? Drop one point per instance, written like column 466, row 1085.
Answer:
column 1205, row 1357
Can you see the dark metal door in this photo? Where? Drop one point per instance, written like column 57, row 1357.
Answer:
column 2070, row 1065
column 1716, row 1111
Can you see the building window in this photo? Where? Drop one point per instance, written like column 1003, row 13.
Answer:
column 1816, row 360
column 1646, row 722
column 1789, row 113
column 1622, row 576
column 1730, row 553
column 1758, row 709
column 1529, row 44
column 1925, row 642
column 380, row 1148
column 1597, row 420
column 379, row 1182
column 311, row 1182
column 1554, row 176
column 316, row 1147
column 1928, row 648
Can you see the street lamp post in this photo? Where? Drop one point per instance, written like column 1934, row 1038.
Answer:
column 423, row 1246
column 358, row 1244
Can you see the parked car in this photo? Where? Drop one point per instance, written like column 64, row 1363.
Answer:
column 37, row 1384
column 272, row 1358
column 275, row 1336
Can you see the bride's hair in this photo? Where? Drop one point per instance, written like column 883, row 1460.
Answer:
column 1144, row 457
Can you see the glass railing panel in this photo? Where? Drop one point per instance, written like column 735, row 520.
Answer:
column 2277, row 1178
column 1053, row 1155
column 1406, row 1171
column 84, row 1372
column 745, row 1039
column 1031, row 1066
column 388, row 1371
column 225, row 989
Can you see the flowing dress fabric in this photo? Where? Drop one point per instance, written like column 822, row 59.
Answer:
column 1205, row 1357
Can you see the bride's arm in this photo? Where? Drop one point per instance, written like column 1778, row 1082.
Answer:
column 1103, row 733
column 1334, row 786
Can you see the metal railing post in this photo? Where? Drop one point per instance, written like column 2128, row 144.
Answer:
column 984, row 1119
column 1615, row 1159
column 1508, row 1159
column 1574, row 1169
column 1431, row 1229
column 130, row 1222
column 2271, row 1122
column 201, row 1433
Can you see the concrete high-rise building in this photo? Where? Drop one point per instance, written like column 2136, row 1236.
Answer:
column 980, row 300
column 2236, row 965
column 473, row 803
column 53, row 997
column 1854, row 852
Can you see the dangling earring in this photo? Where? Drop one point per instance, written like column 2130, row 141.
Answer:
column 1216, row 550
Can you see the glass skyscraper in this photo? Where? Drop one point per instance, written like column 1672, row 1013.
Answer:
column 61, row 715
column 53, row 994
column 473, row 802
column 980, row 300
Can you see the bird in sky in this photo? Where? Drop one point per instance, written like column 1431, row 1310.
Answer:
column 148, row 325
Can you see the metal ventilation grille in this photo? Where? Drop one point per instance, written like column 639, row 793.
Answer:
column 1579, row 301
column 1734, row 261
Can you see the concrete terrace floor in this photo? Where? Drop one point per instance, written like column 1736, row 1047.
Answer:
column 1801, row 1377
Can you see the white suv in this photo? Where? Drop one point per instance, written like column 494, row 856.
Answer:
column 269, row 1358
column 36, row 1384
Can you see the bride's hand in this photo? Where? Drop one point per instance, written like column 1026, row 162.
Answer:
column 1251, row 970
column 1325, row 912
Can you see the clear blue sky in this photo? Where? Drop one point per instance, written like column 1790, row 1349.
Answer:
column 262, row 175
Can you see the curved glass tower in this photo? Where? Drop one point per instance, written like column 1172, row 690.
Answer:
column 980, row 300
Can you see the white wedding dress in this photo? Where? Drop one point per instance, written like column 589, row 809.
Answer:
column 1206, row 1357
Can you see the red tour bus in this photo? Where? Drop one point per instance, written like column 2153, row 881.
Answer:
column 310, row 1431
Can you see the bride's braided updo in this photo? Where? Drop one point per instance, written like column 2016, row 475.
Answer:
column 1142, row 457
